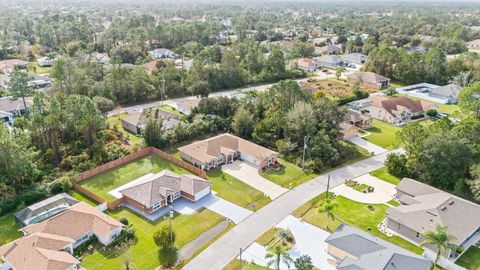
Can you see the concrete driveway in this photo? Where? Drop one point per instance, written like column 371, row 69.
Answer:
column 383, row 191
column 370, row 147
column 249, row 175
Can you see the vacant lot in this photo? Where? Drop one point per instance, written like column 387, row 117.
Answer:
column 470, row 259
column 337, row 88
column 144, row 252
column 102, row 183
column 9, row 229
column 363, row 216
column 383, row 134
column 289, row 174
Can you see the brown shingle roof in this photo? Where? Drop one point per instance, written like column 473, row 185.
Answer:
column 367, row 77
column 393, row 105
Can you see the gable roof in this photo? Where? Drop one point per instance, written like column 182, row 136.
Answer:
column 395, row 105
column 372, row 253
column 329, row 59
column 425, row 207
column 139, row 119
column 367, row 77
column 158, row 186
column 214, row 147
column 8, row 104
column 449, row 90
column 355, row 116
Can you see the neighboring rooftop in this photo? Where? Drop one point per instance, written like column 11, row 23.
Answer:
column 139, row 119
column 372, row 253
column 8, row 104
column 368, row 77
column 394, row 105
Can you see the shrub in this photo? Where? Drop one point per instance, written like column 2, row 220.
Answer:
column 33, row 195
column 162, row 237
column 431, row 113
column 168, row 256
column 124, row 220
column 81, row 249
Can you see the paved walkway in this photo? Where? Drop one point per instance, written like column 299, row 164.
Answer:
column 227, row 247
column 303, row 233
column 249, row 175
column 189, row 249
column 383, row 191
column 370, row 147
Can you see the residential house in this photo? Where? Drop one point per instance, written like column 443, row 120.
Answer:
column 423, row 208
column 354, row 249
column 369, row 79
column 49, row 245
column 329, row 61
column 474, row 44
column 135, row 121
column 347, row 131
column 355, row 58
column 101, row 58
column 358, row 119
column 45, row 61
column 39, row 81
column 307, row 64
column 160, row 53
column 6, row 118
column 4, row 79
column 397, row 111
column 329, row 49
column 14, row 106
column 42, row 210
column 151, row 66
column 156, row 191
column 226, row 148
column 447, row 94
column 186, row 106
column 10, row 65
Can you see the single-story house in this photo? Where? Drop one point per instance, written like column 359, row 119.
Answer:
column 329, row 61
column 38, row 81
column 347, row 130
column 186, row 106
column 49, row 245
column 329, row 49
column 423, row 208
column 14, row 106
column 447, row 94
column 369, row 79
column 101, row 58
column 358, row 119
column 6, row 118
column 397, row 111
column 161, row 189
column 474, row 44
column 42, row 210
column 355, row 58
column 160, row 53
column 307, row 64
column 135, row 122
column 10, row 65
column 354, row 249
column 45, row 61
column 226, row 148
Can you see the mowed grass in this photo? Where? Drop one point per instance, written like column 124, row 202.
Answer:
column 383, row 174
column 352, row 213
column 236, row 191
column 102, row 183
column 235, row 265
column 83, row 198
column 470, row 259
column 8, row 229
column 289, row 174
column 144, row 253
column 115, row 121
column 383, row 134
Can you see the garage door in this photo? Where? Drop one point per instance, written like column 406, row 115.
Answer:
column 202, row 193
column 248, row 158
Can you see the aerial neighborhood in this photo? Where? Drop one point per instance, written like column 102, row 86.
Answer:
column 239, row 135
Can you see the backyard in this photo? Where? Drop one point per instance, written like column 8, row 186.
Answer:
column 383, row 134
column 363, row 216
column 115, row 121
column 288, row 174
column 102, row 183
column 144, row 252
column 9, row 229
column 470, row 259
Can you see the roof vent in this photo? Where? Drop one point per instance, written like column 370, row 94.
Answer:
column 451, row 202
column 443, row 208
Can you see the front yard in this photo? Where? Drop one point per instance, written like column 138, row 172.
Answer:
column 383, row 174
column 9, row 229
column 363, row 216
column 289, row 174
column 102, row 183
column 383, row 134
column 144, row 252
column 235, row 265
column 470, row 259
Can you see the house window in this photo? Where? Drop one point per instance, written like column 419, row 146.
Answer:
column 156, row 206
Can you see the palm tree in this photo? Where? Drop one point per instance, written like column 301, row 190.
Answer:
column 285, row 235
column 327, row 207
column 440, row 239
column 276, row 256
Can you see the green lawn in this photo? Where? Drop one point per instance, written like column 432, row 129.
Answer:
column 352, row 213
column 393, row 203
column 83, row 198
column 235, row 265
column 236, row 191
column 115, row 121
column 35, row 68
column 385, row 176
column 144, row 253
column 383, row 134
column 361, row 187
column 470, row 259
column 9, row 229
column 452, row 109
column 102, row 183
column 289, row 174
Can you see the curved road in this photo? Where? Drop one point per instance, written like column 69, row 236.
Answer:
column 227, row 247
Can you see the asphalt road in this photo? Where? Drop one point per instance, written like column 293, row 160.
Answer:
column 227, row 247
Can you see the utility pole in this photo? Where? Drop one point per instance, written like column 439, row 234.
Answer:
column 304, row 149
column 162, row 94
column 240, row 258
column 328, row 184
column 171, row 232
